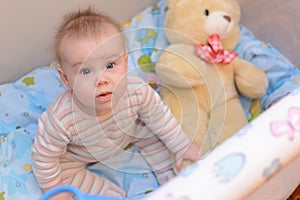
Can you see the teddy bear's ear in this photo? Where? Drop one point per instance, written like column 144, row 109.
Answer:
column 172, row 3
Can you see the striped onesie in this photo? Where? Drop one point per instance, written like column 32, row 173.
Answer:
column 68, row 139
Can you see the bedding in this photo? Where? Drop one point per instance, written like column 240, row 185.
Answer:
column 243, row 163
column 228, row 165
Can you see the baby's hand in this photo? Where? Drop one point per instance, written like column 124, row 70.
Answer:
column 192, row 153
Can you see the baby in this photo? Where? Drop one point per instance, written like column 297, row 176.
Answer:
column 102, row 111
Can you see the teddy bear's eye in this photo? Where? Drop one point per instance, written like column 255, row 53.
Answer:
column 206, row 12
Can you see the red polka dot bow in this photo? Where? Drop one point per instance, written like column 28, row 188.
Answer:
column 214, row 52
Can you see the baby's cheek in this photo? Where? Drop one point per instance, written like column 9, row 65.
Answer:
column 85, row 92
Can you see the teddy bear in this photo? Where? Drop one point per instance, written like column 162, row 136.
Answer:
column 201, row 78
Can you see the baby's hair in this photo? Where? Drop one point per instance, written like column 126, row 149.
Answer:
column 83, row 21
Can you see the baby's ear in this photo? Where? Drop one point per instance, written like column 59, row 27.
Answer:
column 126, row 60
column 63, row 77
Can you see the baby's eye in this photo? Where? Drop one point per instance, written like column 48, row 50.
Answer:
column 110, row 65
column 85, row 71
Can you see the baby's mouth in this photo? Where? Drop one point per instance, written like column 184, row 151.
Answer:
column 104, row 96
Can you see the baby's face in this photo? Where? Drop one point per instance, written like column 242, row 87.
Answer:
column 95, row 70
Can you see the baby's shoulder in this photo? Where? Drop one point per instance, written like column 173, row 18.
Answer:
column 61, row 104
column 137, row 86
column 134, row 79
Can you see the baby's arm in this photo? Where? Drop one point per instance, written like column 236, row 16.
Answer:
column 49, row 144
column 158, row 117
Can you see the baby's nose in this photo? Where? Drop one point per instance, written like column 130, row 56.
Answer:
column 102, row 80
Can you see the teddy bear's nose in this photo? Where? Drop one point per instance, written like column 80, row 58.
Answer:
column 227, row 18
